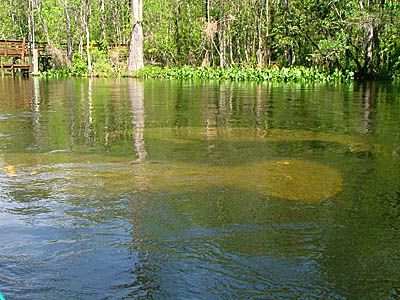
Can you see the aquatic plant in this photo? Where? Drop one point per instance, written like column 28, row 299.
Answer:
column 292, row 74
column 103, row 68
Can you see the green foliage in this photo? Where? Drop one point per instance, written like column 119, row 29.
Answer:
column 56, row 73
column 294, row 74
column 102, row 64
column 334, row 37
column 79, row 66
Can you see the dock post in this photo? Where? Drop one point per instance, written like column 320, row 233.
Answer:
column 35, row 61
column 23, row 50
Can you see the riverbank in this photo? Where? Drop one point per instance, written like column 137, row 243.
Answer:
column 292, row 74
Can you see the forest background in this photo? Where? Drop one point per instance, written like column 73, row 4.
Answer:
column 349, row 38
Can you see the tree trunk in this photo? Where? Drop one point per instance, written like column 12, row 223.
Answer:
column 44, row 24
column 369, row 53
column 267, row 26
column 135, row 61
column 177, row 34
column 207, row 59
column 222, row 37
column 103, row 22
column 371, row 56
column 87, row 20
column 32, row 26
column 69, row 42
column 259, row 53
column 229, row 44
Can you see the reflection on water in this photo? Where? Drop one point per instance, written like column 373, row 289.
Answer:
column 160, row 189
column 136, row 94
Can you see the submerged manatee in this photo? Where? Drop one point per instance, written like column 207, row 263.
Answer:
column 296, row 180
column 191, row 134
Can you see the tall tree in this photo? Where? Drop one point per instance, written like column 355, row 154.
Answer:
column 86, row 22
column 135, row 60
column 68, row 32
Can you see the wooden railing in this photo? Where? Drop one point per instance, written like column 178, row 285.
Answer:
column 16, row 52
column 20, row 49
column 14, row 49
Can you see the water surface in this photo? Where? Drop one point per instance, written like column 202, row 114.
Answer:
column 125, row 189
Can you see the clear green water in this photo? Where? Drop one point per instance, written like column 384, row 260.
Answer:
column 125, row 189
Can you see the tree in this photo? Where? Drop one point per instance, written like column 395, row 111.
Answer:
column 135, row 61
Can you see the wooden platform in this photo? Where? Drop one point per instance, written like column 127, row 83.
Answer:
column 13, row 56
column 15, row 49
column 15, row 66
column 16, row 55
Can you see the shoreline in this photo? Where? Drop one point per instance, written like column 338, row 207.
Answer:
column 251, row 74
column 296, row 74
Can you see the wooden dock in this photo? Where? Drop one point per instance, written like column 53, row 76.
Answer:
column 16, row 55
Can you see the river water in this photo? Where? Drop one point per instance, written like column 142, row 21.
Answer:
column 126, row 189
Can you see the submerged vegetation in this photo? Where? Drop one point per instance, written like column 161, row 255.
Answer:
column 213, row 39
